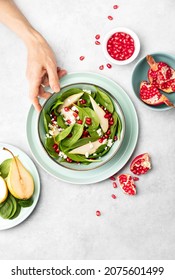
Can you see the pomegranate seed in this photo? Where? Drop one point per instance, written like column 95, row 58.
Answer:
column 115, row 7
column 79, row 121
column 110, row 17
column 88, row 121
column 82, row 57
column 55, row 146
column 55, row 118
column 112, row 178
column 82, row 101
column 109, row 65
column 97, row 37
column 57, row 151
column 111, row 123
column 98, row 213
column 75, row 114
column 135, row 178
column 69, row 121
column 106, row 136
column 106, row 116
column 97, row 43
column 108, row 132
column 85, row 133
column 101, row 67
column 100, row 140
column 113, row 196
column 115, row 138
column 66, row 109
column 68, row 159
column 114, row 185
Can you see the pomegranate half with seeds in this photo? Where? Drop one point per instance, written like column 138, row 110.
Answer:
column 141, row 164
column 151, row 95
column 161, row 75
column 127, row 184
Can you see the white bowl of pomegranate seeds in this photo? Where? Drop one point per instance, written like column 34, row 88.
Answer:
column 121, row 46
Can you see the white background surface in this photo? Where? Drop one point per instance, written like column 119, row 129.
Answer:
column 64, row 224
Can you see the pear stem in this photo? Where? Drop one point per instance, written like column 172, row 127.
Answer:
column 15, row 162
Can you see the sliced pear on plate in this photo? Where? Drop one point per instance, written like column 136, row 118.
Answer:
column 19, row 180
column 100, row 113
column 88, row 148
column 70, row 100
column 3, row 190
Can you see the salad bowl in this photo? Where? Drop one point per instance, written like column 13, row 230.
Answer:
column 60, row 147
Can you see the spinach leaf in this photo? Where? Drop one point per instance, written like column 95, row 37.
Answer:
column 55, row 105
column 113, row 127
column 61, row 122
column 5, row 168
column 82, row 142
column 104, row 99
column 119, row 127
column 49, row 147
column 80, row 158
column 76, row 134
column 69, row 92
column 47, row 119
column 63, row 134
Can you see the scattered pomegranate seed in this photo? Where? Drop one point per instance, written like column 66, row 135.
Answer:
column 135, row 178
column 97, row 43
column 85, row 133
column 75, row 114
column 82, row 57
column 108, row 132
column 109, row 65
column 110, row 17
column 79, row 121
column 55, row 146
column 69, row 121
column 97, row 37
column 88, row 121
column 112, row 178
column 66, row 109
column 55, row 118
column 98, row 213
column 101, row 67
column 100, row 140
column 115, row 138
column 68, row 159
column 113, row 196
column 114, row 185
column 115, row 7
column 57, row 151
column 82, row 101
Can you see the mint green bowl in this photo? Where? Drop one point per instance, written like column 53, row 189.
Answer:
column 139, row 74
column 74, row 166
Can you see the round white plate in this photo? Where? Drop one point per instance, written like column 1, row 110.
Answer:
column 28, row 163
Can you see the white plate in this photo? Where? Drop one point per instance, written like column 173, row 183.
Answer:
column 28, row 163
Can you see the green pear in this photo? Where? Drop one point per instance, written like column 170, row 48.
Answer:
column 70, row 100
column 19, row 180
column 89, row 148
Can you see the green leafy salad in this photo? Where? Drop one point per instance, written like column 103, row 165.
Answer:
column 81, row 126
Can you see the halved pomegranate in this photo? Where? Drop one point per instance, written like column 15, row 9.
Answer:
column 127, row 184
column 161, row 75
column 152, row 96
column 141, row 164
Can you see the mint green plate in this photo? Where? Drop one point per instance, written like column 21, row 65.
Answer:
column 140, row 72
column 28, row 163
column 111, row 167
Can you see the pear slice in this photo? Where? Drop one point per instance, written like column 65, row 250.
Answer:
column 19, row 180
column 100, row 113
column 88, row 149
column 3, row 190
column 70, row 100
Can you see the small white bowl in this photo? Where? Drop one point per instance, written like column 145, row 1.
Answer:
column 136, row 43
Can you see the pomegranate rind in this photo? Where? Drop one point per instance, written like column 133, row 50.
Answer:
column 156, row 97
column 126, row 183
column 161, row 75
column 141, row 164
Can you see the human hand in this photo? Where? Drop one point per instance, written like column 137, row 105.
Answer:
column 42, row 70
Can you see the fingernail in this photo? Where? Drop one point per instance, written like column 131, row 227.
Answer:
column 56, row 88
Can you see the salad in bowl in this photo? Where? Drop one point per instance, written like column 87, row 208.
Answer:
column 82, row 127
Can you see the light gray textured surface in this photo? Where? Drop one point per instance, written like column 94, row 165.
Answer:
column 64, row 224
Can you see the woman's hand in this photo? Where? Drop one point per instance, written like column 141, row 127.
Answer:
column 42, row 70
